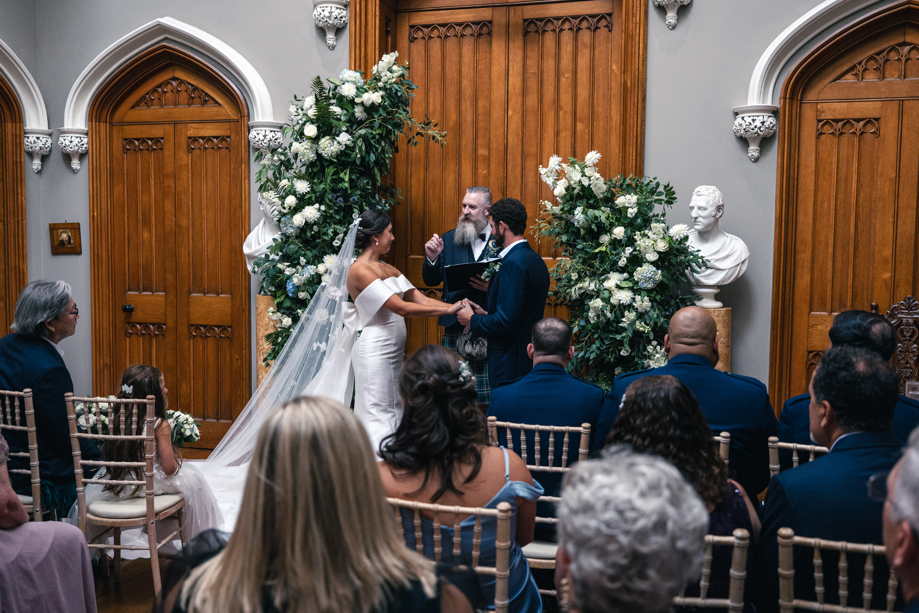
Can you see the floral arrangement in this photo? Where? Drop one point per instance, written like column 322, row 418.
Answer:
column 91, row 414
column 623, row 266
column 332, row 167
column 184, row 428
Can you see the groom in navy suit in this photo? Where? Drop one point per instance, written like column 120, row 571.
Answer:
column 516, row 297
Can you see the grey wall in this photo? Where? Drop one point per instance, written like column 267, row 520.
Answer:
column 57, row 39
column 697, row 73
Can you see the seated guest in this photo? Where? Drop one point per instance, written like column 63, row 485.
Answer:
column 850, row 329
column 660, row 415
column 548, row 396
column 901, row 514
column 853, row 395
column 44, row 567
column 439, row 454
column 314, row 530
column 631, row 534
column 732, row 403
column 32, row 358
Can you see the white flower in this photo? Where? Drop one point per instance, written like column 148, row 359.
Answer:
column 559, row 192
column 679, row 231
column 344, row 138
column 573, row 173
column 326, row 278
column 592, row 158
column 626, row 201
column 613, row 280
column 322, row 315
column 294, row 148
column 359, row 112
column 309, row 130
column 628, row 318
column 377, row 97
column 625, row 351
column 351, row 76
column 651, row 256
column 303, row 295
column 302, row 186
column 311, row 213
column 298, row 220
column 309, row 271
column 604, row 238
column 367, row 98
column 285, row 322
column 329, row 261
column 309, row 102
column 337, row 242
column 631, row 212
column 657, row 229
column 290, row 202
column 322, row 269
column 623, row 296
column 643, row 304
column 555, row 163
column 619, row 232
column 661, row 245
column 348, row 90
column 284, row 183
column 311, row 113
column 289, row 271
column 598, row 187
column 329, row 148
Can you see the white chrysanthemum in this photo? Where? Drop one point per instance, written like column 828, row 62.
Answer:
column 310, row 131
column 311, row 213
column 343, row 139
column 555, row 163
column 592, row 158
column 348, row 90
column 359, row 112
column 618, row 232
column 598, row 187
column 679, row 231
column 329, row 261
column 337, row 110
column 302, row 186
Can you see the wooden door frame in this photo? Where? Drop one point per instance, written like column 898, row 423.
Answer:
column 15, row 256
column 103, row 284
column 372, row 27
column 781, row 360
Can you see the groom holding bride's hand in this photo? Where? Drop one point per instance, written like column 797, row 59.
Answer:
column 516, row 297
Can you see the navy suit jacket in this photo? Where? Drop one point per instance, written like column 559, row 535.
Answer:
column 32, row 362
column 434, row 274
column 733, row 403
column 826, row 499
column 547, row 396
column 794, row 420
column 516, row 301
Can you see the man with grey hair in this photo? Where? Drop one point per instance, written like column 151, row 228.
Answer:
column 31, row 358
column 470, row 241
column 900, row 518
column 631, row 534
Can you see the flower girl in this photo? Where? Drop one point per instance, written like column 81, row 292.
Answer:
column 170, row 475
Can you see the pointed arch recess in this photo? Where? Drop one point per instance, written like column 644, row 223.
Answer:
column 13, row 272
column 815, row 77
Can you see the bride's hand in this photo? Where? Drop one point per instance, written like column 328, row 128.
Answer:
column 455, row 308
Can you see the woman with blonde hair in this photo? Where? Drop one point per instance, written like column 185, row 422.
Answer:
column 314, row 531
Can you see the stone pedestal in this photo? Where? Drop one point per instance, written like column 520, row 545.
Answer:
column 723, row 321
column 263, row 326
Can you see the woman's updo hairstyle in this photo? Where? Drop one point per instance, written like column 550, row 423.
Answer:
column 442, row 425
column 372, row 223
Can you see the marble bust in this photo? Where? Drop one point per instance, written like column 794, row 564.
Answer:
column 262, row 236
column 725, row 253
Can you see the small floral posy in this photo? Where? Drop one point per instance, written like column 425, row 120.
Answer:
column 184, row 428
column 93, row 416
column 465, row 372
column 492, row 271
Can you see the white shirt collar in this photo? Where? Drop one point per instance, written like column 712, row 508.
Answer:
column 833, row 446
column 505, row 251
column 56, row 347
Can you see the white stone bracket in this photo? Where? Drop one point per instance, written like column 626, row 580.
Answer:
column 38, row 143
column 331, row 15
column 265, row 135
column 754, row 122
column 671, row 6
column 73, row 142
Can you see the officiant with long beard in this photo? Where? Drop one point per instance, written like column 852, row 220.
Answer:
column 470, row 241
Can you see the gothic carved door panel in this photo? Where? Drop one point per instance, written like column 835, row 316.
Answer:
column 846, row 235
column 511, row 85
column 13, row 275
column 176, row 191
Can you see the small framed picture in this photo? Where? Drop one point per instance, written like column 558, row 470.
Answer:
column 65, row 238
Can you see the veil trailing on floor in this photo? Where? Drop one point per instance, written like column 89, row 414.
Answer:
column 315, row 361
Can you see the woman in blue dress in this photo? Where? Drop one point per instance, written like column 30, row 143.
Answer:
column 439, row 455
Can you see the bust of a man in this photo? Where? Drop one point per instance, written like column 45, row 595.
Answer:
column 262, row 236
column 725, row 253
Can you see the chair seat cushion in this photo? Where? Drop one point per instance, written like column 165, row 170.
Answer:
column 540, row 550
column 131, row 508
column 24, row 499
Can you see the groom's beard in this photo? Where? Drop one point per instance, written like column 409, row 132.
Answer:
column 467, row 230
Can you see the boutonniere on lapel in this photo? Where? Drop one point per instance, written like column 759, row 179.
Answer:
column 491, row 271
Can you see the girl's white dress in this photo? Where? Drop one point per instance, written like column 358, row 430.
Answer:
column 201, row 510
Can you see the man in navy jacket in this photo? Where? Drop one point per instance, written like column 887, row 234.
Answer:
column 853, row 395
column 850, row 329
column 31, row 358
column 733, row 403
column 516, row 297
column 901, row 513
column 548, row 396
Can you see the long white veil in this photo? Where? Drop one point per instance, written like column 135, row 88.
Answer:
column 316, row 360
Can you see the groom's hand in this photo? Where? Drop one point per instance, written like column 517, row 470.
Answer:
column 464, row 315
column 477, row 282
column 476, row 309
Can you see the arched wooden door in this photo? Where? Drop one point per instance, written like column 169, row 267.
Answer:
column 846, row 218
column 13, row 276
column 170, row 212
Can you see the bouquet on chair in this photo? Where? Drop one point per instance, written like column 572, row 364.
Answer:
column 184, row 428
column 93, row 417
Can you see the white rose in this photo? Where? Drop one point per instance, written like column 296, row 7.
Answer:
column 295, row 148
column 298, row 221
column 377, row 97
column 559, row 191
column 604, row 238
column 322, row 269
column 651, row 256
column 290, row 201
column 286, row 322
column 367, row 98
column 309, row 130
column 661, row 245
column 289, row 271
column 344, row 138
column 619, row 232
column 631, row 212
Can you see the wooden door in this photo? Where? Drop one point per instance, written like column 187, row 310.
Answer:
column 13, row 255
column 177, row 195
column 511, row 85
column 850, row 224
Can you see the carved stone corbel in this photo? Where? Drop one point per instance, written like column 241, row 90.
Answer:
column 73, row 142
column 671, row 6
column 330, row 15
column 38, row 143
column 265, row 135
column 754, row 123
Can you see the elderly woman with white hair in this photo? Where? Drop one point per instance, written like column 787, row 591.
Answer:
column 31, row 358
column 631, row 534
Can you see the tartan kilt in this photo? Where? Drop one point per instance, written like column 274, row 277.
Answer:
column 482, row 385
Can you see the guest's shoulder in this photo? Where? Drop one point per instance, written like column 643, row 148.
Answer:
column 448, row 237
column 587, row 385
column 745, row 382
column 622, row 381
column 796, row 402
column 906, row 401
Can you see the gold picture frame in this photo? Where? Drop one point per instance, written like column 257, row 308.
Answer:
column 65, row 238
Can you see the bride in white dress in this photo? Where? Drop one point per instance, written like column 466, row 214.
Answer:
column 335, row 344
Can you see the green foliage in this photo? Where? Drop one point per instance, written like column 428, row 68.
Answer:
column 623, row 267
column 337, row 150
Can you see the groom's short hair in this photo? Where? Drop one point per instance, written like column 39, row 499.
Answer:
column 551, row 336
column 512, row 212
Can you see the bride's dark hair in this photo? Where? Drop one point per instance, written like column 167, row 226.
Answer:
column 442, row 427
column 372, row 223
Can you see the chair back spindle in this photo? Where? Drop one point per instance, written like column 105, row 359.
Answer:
column 11, row 420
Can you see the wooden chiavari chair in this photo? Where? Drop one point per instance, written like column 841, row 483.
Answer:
column 775, row 466
column 541, row 554
column 130, row 512
column 500, row 571
column 740, row 542
column 787, row 601
column 724, row 446
column 11, row 419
